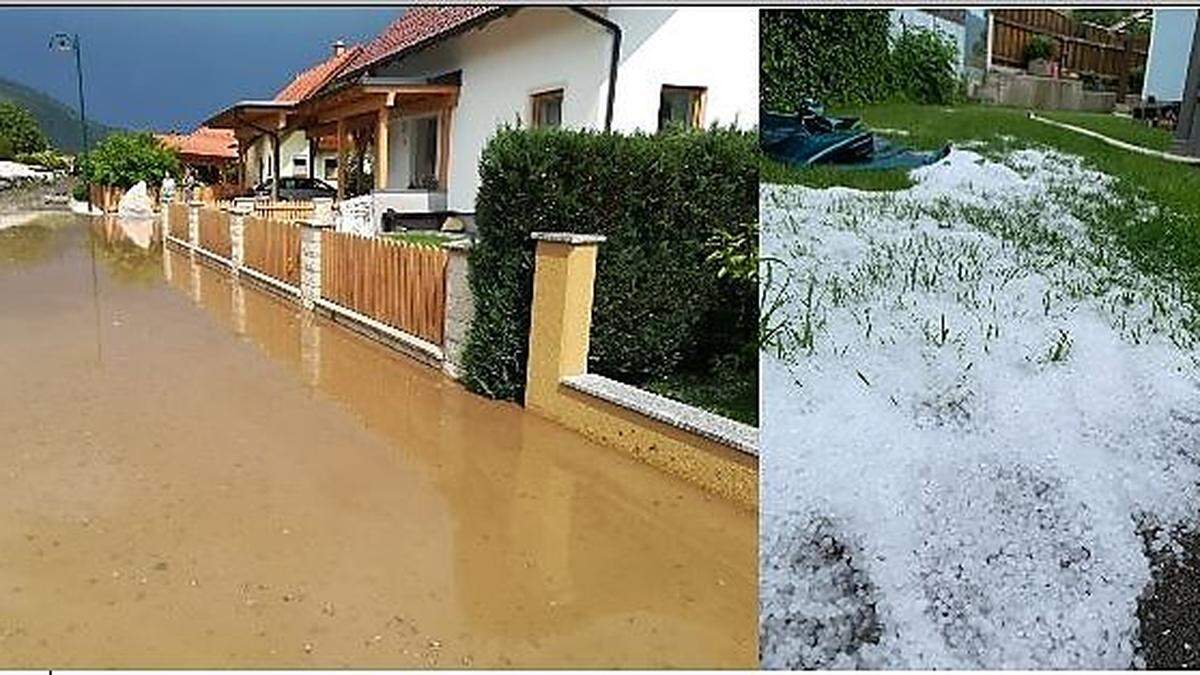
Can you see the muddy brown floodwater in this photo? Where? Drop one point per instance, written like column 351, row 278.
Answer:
column 194, row 473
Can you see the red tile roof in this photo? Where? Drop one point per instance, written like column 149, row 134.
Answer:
column 416, row 27
column 203, row 142
column 308, row 82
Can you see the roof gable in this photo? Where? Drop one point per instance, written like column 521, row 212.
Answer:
column 308, row 82
column 417, row 27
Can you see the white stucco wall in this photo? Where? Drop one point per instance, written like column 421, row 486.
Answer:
column 712, row 47
column 543, row 48
column 1170, row 48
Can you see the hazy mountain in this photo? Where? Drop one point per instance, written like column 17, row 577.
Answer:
column 58, row 120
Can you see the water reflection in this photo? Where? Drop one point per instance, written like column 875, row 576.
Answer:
column 548, row 534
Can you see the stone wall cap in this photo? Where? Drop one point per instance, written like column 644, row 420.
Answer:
column 572, row 238
column 727, row 432
column 464, row 244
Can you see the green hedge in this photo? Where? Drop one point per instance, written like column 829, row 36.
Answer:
column 849, row 57
column 661, row 200
column 838, row 57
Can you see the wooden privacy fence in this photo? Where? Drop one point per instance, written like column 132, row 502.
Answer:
column 273, row 248
column 401, row 285
column 1084, row 48
column 214, row 233
column 177, row 220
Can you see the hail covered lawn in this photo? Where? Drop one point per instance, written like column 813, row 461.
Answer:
column 976, row 411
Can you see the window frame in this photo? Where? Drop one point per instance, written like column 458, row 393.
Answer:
column 697, row 104
column 538, row 97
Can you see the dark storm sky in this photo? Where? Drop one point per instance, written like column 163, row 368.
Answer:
column 168, row 68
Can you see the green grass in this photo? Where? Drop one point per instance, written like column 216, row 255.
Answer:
column 419, row 238
column 821, row 177
column 1121, row 128
column 1167, row 244
column 732, row 392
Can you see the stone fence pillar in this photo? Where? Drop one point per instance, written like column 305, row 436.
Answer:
column 460, row 306
column 561, row 315
column 237, row 232
column 310, row 259
column 194, row 222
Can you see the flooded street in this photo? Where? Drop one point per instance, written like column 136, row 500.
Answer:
column 195, row 473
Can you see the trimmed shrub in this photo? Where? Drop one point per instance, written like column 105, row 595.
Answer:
column 21, row 129
column 661, row 299
column 124, row 159
column 851, row 57
column 838, row 57
column 923, row 66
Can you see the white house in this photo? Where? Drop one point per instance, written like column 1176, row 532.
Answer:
column 422, row 100
column 966, row 29
column 1170, row 48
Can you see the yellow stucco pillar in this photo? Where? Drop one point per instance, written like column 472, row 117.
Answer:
column 561, row 314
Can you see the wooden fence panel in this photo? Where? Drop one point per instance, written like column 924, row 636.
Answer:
column 214, row 232
column 177, row 220
column 401, row 285
column 287, row 212
column 1084, row 48
column 273, row 248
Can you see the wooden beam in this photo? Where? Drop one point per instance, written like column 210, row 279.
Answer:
column 407, row 89
column 381, row 150
column 443, row 149
column 352, row 110
column 341, row 159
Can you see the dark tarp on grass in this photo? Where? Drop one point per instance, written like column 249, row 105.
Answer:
column 809, row 138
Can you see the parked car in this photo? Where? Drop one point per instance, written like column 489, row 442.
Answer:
column 295, row 189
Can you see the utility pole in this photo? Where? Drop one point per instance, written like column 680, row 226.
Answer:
column 65, row 42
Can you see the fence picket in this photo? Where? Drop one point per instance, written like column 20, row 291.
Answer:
column 398, row 284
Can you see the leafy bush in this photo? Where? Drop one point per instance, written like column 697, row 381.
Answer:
column 923, row 66
column 1038, row 47
column 124, row 159
column 839, row 57
column 850, row 57
column 79, row 191
column 6, row 148
column 47, row 159
column 661, row 302
column 21, row 129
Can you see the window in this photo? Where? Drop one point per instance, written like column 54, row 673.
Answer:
column 546, row 109
column 299, row 165
column 683, row 106
column 331, row 168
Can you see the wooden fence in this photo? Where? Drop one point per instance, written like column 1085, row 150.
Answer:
column 214, row 232
column 273, row 248
column 401, row 285
column 1084, row 48
column 177, row 220
column 286, row 212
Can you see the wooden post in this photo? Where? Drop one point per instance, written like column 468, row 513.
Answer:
column 381, row 150
column 341, row 159
column 1123, row 83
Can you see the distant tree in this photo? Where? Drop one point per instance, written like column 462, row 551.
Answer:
column 123, row 159
column 1109, row 17
column 21, row 129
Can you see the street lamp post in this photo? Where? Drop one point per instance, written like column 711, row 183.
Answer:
column 66, row 42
